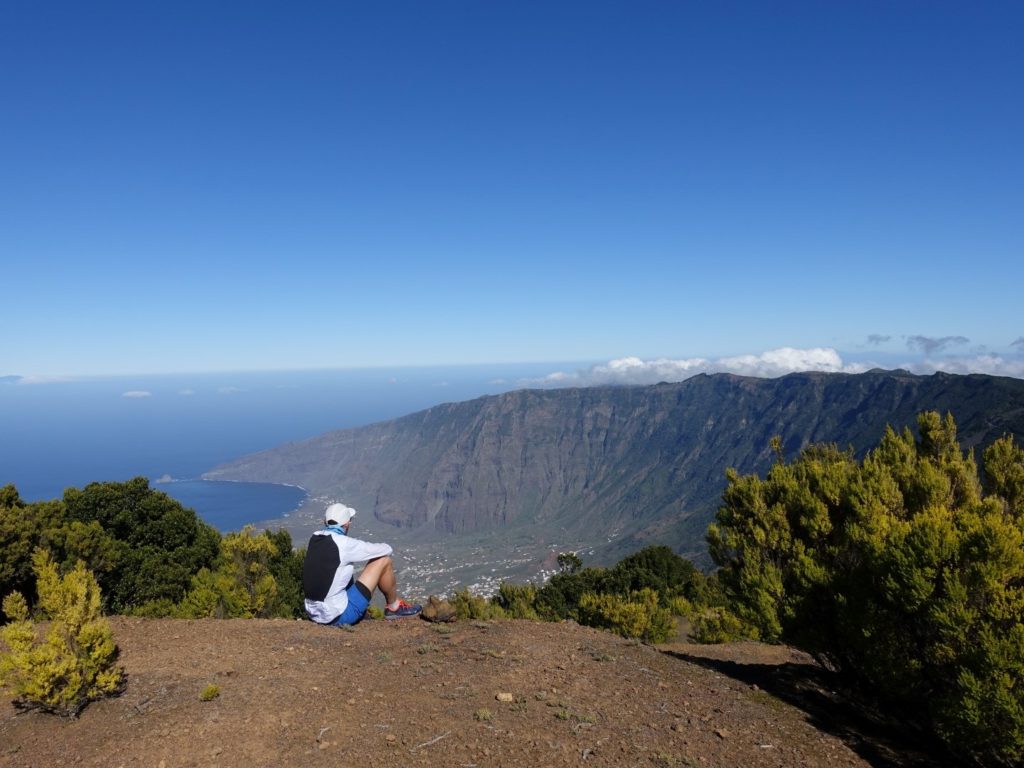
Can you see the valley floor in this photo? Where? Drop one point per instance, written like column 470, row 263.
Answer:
column 408, row 693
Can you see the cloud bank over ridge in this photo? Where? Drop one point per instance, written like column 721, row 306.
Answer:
column 770, row 364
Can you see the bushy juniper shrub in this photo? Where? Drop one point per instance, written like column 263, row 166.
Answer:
column 470, row 606
column 75, row 662
column 517, row 601
column 637, row 614
column 657, row 568
column 715, row 624
column 680, row 606
column 242, row 586
column 903, row 572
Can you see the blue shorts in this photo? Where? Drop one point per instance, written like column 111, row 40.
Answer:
column 358, row 602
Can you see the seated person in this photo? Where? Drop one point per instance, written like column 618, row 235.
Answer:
column 332, row 596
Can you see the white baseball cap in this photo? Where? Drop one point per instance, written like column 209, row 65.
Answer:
column 338, row 514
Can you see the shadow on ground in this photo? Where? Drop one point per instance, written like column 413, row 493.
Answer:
column 884, row 742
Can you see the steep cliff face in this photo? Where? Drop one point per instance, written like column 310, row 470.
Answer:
column 630, row 464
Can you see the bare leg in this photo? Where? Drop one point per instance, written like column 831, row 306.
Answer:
column 380, row 574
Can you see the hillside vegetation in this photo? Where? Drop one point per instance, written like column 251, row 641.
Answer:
column 150, row 555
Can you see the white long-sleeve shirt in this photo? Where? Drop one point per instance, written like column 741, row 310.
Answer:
column 328, row 569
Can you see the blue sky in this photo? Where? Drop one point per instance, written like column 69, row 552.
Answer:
column 636, row 186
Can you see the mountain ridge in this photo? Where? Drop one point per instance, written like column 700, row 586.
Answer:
column 619, row 467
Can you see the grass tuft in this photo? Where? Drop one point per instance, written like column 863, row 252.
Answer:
column 210, row 692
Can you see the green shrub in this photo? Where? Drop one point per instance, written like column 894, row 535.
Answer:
column 470, row 606
column 286, row 567
column 517, row 601
column 150, row 555
column 158, row 545
column 637, row 615
column 214, row 595
column 657, row 568
column 718, row 625
column 46, row 525
column 900, row 571
column 680, row 606
column 560, row 597
column 210, row 692
column 75, row 663
column 242, row 586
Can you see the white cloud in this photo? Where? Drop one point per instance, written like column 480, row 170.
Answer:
column 230, row 390
column 186, row 392
column 775, row 362
column 994, row 365
column 779, row 362
column 770, row 364
column 137, row 393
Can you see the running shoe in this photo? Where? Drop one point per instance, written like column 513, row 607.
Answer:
column 402, row 611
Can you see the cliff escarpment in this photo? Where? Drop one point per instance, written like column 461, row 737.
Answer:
column 629, row 465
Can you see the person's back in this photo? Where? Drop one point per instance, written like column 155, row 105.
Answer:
column 332, row 595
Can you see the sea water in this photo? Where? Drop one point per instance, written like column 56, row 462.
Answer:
column 67, row 433
column 231, row 506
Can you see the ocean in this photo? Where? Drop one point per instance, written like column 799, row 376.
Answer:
column 67, row 433
column 231, row 506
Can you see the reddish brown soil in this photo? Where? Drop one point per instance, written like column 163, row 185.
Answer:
column 409, row 693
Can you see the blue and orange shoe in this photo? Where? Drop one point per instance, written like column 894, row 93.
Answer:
column 404, row 610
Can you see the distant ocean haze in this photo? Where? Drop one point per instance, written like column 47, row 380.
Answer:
column 64, row 434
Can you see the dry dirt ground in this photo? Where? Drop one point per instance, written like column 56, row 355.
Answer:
column 409, row 693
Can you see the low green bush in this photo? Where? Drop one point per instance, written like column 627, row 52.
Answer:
column 637, row 615
column 75, row 662
column 517, row 601
column 718, row 625
column 470, row 606
column 680, row 606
